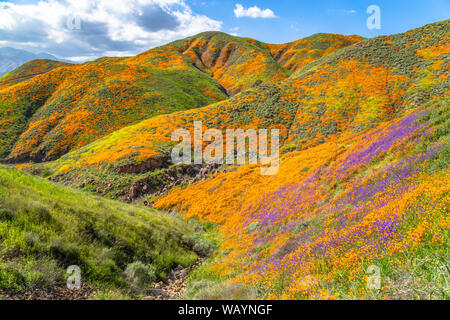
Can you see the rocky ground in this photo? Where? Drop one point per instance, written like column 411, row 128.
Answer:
column 175, row 286
column 52, row 293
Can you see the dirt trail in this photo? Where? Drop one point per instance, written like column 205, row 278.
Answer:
column 52, row 293
column 175, row 287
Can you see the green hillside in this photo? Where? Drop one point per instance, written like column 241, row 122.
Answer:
column 28, row 71
column 44, row 228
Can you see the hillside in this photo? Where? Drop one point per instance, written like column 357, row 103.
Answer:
column 237, row 63
column 352, row 90
column 378, row 198
column 45, row 228
column 295, row 55
column 64, row 109
column 11, row 58
column 28, row 71
column 363, row 182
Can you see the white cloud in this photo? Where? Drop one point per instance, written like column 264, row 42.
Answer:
column 106, row 27
column 253, row 12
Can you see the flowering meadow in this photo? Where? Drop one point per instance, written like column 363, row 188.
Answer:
column 359, row 208
column 313, row 230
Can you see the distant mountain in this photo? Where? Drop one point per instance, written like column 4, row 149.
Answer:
column 11, row 58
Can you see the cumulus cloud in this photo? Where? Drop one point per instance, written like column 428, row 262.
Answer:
column 86, row 29
column 253, row 12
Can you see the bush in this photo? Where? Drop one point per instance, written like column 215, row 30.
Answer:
column 110, row 294
column 199, row 245
column 66, row 253
column 140, row 276
column 6, row 215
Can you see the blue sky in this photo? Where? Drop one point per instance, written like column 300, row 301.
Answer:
column 86, row 29
column 300, row 18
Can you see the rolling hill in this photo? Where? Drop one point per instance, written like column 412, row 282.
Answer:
column 66, row 108
column 376, row 198
column 11, row 58
column 351, row 90
column 363, row 183
column 61, row 110
column 28, row 71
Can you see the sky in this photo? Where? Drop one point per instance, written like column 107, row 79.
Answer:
column 83, row 30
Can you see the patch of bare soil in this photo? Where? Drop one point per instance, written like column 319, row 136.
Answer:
column 175, row 287
column 51, row 293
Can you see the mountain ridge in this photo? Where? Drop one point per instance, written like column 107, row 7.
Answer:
column 323, row 99
column 162, row 80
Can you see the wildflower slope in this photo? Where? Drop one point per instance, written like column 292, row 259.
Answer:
column 55, row 112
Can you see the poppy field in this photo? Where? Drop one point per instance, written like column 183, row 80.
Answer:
column 359, row 208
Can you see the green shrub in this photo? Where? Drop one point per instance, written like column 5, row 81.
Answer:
column 199, row 245
column 67, row 254
column 140, row 276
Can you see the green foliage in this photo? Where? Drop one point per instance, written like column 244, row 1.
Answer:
column 253, row 227
column 44, row 228
column 141, row 276
column 199, row 244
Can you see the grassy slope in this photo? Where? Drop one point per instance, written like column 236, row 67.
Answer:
column 65, row 109
column 351, row 90
column 69, row 107
column 44, row 228
column 28, row 71
column 238, row 63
